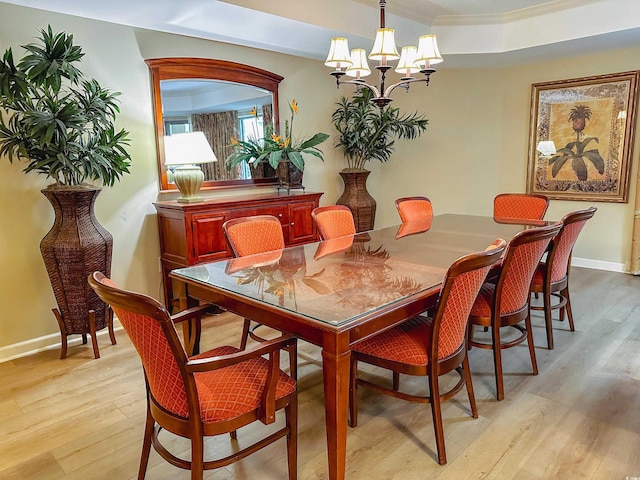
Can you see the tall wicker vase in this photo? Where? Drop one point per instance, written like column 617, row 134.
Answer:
column 76, row 246
column 357, row 198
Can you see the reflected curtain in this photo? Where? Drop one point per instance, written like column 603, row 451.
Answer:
column 218, row 128
column 267, row 117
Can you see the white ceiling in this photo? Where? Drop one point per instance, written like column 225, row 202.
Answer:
column 470, row 32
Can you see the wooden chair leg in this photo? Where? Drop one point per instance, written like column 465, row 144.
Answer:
column 291, row 412
column 197, row 456
column 146, row 446
column 436, row 412
column 469, row 383
column 293, row 362
column 532, row 350
column 353, row 394
column 565, row 294
column 245, row 333
column 497, row 362
column 548, row 323
column 92, row 332
column 396, row 382
column 112, row 334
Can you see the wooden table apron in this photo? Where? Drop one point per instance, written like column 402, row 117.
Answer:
column 335, row 341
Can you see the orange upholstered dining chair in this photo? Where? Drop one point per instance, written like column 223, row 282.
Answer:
column 506, row 302
column 333, row 221
column 523, row 206
column 429, row 346
column 251, row 236
column 414, row 209
column 552, row 276
column 213, row 393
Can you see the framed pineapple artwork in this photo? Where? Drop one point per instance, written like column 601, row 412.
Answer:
column 581, row 136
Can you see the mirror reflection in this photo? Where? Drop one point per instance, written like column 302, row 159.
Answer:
column 222, row 99
column 220, row 110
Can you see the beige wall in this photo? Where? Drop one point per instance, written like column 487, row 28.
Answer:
column 476, row 146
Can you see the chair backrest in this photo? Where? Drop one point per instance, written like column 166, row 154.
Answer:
column 520, row 205
column 560, row 254
column 520, row 262
column 251, row 235
column 153, row 334
column 461, row 285
column 333, row 221
column 413, row 209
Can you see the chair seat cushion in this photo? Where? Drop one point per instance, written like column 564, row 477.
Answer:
column 406, row 343
column 232, row 391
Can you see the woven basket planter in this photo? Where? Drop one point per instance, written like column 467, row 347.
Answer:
column 289, row 176
column 76, row 246
column 358, row 199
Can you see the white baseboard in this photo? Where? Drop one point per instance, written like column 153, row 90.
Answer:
column 599, row 265
column 47, row 342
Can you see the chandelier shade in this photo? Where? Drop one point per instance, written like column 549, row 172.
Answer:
column 412, row 60
column 359, row 67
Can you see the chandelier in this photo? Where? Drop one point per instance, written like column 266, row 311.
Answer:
column 413, row 60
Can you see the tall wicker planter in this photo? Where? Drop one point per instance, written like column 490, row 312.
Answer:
column 76, row 246
column 358, row 199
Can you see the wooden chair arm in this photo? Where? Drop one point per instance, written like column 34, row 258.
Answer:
column 190, row 313
column 221, row 361
column 267, row 408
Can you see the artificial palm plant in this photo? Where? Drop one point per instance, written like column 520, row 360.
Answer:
column 61, row 125
column 366, row 132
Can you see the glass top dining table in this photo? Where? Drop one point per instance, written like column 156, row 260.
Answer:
column 336, row 292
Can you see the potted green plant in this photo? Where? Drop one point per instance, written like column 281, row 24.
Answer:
column 284, row 153
column 367, row 132
column 61, row 125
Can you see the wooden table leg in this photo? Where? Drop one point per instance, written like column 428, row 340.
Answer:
column 335, row 371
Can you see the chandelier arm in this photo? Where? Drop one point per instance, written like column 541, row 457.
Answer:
column 403, row 83
column 360, row 83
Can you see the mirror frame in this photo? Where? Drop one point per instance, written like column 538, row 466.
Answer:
column 176, row 68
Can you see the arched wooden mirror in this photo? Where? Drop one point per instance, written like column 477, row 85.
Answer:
column 216, row 97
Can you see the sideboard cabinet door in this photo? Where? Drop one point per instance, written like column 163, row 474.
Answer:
column 191, row 233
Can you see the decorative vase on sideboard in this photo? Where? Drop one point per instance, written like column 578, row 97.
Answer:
column 76, row 246
column 358, row 199
column 289, row 176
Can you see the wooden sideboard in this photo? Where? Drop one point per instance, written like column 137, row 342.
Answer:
column 191, row 233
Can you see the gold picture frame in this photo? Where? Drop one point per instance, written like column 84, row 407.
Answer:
column 581, row 134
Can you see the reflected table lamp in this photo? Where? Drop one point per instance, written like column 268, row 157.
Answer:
column 184, row 152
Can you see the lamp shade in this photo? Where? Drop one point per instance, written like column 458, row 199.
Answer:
column 384, row 46
column 187, row 149
column 428, row 53
column 338, row 53
column 407, row 64
column 546, row 147
column 359, row 66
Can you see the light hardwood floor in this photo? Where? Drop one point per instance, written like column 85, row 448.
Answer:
column 82, row 418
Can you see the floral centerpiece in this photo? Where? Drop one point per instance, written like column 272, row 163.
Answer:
column 280, row 151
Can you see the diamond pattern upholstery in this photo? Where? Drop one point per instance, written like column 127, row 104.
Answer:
column 251, row 235
column 411, row 347
column 520, row 205
column 414, row 209
column 552, row 275
column 208, row 394
column 505, row 302
column 410, row 342
column 334, row 221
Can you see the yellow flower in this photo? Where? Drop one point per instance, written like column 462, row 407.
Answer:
column 254, row 112
column 294, row 106
column 234, row 141
column 275, row 137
